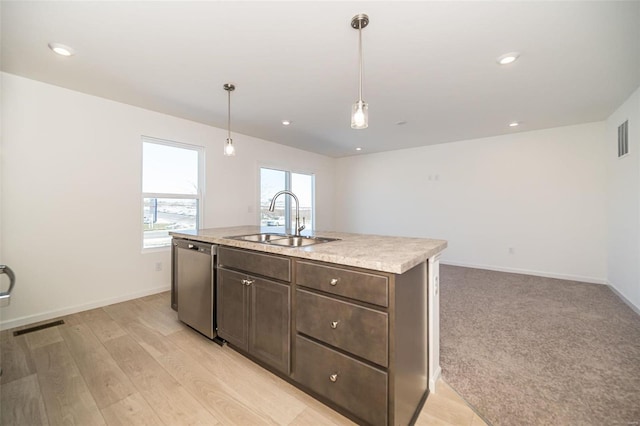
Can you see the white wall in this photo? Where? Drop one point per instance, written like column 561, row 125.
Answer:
column 71, row 195
column 541, row 193
column 3, row 286
column 66, row 158
column 623, row 213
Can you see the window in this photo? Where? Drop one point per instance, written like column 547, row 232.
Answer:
column 272, row 181
column 171, row 190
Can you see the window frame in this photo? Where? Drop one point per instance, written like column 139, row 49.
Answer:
column 288, row 218
column 198, row 196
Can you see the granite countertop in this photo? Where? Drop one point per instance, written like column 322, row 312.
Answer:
column 380, row 253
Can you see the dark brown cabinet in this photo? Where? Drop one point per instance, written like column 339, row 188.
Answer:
column 254, row 312
column 363, row 286
column 354, row 338
column 345, row 381
column 361, row 340
column 269, row 336
column 233, row 308
column 356, row 329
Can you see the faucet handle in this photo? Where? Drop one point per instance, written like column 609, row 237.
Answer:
column 303, row 225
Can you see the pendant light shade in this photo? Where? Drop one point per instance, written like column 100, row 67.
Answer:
column 360, row 115
column 229, row 149
column 360, row 109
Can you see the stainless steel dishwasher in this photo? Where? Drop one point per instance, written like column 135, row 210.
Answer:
column 193, row 289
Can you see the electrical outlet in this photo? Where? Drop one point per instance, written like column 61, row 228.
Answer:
column 158, row 266
column 512, row 250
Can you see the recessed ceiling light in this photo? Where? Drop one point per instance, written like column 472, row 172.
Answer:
column 358, row 149
column 62, row 49
column 286, row 122
column 508, row 58
column 514, row 124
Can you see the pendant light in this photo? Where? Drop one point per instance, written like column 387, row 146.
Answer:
column 229, row 149
column 360, row 110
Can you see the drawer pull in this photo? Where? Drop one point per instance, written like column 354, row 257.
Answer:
column 248, row 282
column 333, row 377
column 334, row 281
column 334, row 324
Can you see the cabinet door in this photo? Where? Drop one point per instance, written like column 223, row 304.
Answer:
column 232, row 308
column 269, row 330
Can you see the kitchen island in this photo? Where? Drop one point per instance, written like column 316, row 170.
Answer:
column 353, row 322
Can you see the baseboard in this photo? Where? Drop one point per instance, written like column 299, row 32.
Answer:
column 635, row 308
column 567, row 277
column 30, row 319
column 433, row 380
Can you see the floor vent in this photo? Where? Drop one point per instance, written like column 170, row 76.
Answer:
column 38, row 328
column 623, row 139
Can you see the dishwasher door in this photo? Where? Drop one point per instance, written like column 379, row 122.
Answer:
column 194, row 283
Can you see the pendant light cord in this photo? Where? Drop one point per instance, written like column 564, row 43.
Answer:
column 360, row 55
column 229, row 113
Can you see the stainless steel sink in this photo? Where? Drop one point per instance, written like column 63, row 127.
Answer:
column 258, row 238
column 282, row 239
column 300, row 241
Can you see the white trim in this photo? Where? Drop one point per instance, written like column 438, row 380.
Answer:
column 433, row 321
column 635, row 308
column 158, row 249
column 285, row 167
column 567, row 277
column 433, row 380
column 202, row 182
column 30, row 319
column 313, row 202
column 172, row 196
column 168, row 142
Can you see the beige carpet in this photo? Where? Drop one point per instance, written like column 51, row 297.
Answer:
column 527, row 350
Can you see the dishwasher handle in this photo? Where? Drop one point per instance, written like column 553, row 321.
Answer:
column 4, row 269
column 204, row 248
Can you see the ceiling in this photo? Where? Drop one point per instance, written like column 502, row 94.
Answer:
column 429, row 64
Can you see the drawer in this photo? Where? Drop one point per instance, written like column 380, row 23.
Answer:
column 353, row 385
column 344, row 282
column 355, row 329
column 256, row 263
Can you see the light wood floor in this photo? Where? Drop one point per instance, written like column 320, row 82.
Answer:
column 134, row 363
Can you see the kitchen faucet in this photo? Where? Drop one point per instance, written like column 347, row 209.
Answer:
column 273, row 206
